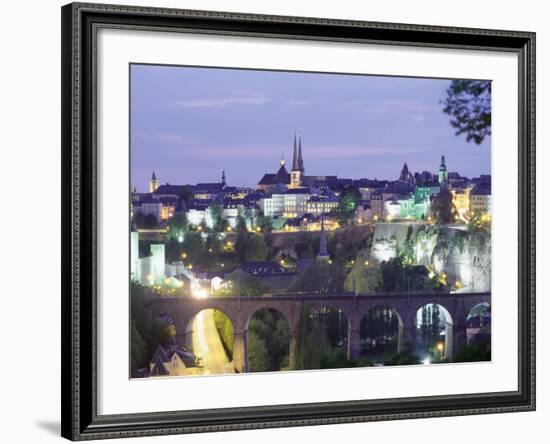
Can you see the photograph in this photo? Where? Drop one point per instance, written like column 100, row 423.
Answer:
column 290, row 220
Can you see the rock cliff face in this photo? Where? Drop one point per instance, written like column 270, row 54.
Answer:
column 464, row 257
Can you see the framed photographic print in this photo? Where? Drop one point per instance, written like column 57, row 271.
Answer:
column 280, row 221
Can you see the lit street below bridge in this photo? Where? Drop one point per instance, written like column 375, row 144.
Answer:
column 208, row 345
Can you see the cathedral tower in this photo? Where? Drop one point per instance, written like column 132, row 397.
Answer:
column 153, row 183
column 297, row 172
column 442, row 175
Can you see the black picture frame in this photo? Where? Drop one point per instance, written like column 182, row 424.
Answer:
column 79, row 208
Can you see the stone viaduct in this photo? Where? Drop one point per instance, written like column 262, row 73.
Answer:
column 183, row 310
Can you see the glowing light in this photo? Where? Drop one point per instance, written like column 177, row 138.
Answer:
column 190, row 266
column 184, row 255
column 199, row 292
column 366, row 263
column 216, row 283
column 228, row 229
column 180, row 238
column 427, row 361
column 440, row 347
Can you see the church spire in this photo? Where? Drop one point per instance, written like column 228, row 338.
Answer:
column 224, row 180
column 295, row 166
column 300, row 158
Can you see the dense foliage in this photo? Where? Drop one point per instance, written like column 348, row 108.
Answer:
column 443, row 208
column 268, row 341
column 224, row 326
column 147, row 332
column 320, row 277
column 468, row 102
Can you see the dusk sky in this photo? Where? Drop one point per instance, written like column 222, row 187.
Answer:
column 189, row 124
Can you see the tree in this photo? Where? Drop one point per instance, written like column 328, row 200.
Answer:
column 334, row 323
column 185, row 195
column 193, row 247
column 145, row 220
column 468, row 103
column 392, row 274
column 311, row 342
column 250, row 247
column 178, row 226
column 364, row 277
column 320, row 277
column 225, row 329
column 258, row 357
column 443, row 208
column 255, row 249
column 347, row 203
column 268, row 340
column 150, row 221
column 479, row 222
column 219, row 223
column 243, row 284
column 241, row 224
column 265, row 223
column 147, row 333
column 381, row 325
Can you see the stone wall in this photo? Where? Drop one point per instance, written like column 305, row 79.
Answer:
column 463, row 256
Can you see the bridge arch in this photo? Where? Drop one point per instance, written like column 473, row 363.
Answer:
column 335, row 322
column 239, row 309
column 210, row 333
column 434, row 332
column 478, row 323
column 382, row 332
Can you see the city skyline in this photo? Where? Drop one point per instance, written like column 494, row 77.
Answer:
column 351, row 126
